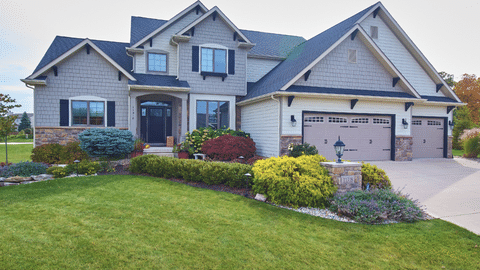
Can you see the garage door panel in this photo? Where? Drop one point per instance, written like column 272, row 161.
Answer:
column 366, row 137
column 428, row 137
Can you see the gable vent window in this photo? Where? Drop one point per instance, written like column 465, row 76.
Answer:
column 352, row 56
column 374, row 32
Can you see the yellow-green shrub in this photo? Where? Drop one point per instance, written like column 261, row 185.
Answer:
column 57, row 172
column 471, row 145
column 300, row 181
column 374, row 177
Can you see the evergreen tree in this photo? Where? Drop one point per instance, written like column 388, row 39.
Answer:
column 463, row 120
column 24, row 122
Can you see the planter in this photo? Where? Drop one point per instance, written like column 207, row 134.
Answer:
column 183, row 155
column 136, row 153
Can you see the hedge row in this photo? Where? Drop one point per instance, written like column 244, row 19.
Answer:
column 210, row 173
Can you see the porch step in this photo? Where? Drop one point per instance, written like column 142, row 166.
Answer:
column 159, row 151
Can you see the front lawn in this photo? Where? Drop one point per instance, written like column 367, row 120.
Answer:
column 16, row 152
column 459, row 153
column 125, row 222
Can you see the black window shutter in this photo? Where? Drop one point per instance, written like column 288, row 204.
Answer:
column 231, row 62
column 64, row 112
column 110, row 113
column 195, row 58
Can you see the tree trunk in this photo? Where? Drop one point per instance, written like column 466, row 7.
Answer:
column 6, row 151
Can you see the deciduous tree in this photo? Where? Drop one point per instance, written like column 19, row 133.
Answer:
column 468, row 90
column 448, row 78
column 7, row 122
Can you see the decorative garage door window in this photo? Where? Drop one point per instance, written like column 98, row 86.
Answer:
column 381, row 121
column 434, row 123
column 313, row 119
column 417, row 122
column 359, row 121
column 337, row 120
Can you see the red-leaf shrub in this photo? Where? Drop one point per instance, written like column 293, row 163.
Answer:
column 228, row 147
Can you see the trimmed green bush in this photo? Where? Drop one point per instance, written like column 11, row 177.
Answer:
column 201, row 135
column 211, row 173
column 106, row 142
column 296, row 150
column 374, row 177
column 293, row 181
column 57, row 172
column 471, row 146
column 58, row 154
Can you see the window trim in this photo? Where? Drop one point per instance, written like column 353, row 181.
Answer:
column 87, row 99
column 213, row 47
column 147, row 65
column 206, row 115
column 192, row 117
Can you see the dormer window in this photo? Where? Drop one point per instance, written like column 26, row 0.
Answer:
column 157, row 62
column 214, row 60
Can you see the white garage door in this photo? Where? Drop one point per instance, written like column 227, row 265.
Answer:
column 366, row 137
column 428, row 137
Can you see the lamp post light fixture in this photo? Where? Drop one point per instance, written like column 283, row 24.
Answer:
column 451, row 124
column 293, row 120
column 76, row 164
column 339, row 148
column 404, row 123
column 247, row 176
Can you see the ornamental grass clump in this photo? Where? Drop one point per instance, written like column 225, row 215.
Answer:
column 293, row 181
column 376, row 206
column 471, row 144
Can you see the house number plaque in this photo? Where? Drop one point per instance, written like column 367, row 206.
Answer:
column 347, row 179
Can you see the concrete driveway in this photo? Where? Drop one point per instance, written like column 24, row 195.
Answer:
column 448, row 188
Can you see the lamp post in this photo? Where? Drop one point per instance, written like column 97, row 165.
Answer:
column 76, row 164
column 339, row 148
column 247, row 175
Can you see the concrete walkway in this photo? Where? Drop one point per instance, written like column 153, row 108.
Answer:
column 448, row 188
column 14, row 143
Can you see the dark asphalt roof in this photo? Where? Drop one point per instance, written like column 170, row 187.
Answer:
column 157, row 80
column 141, row 27
column 342, row 91
column 439, row 99
column 268, row 44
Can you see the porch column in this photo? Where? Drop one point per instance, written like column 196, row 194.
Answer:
column 132, row 113
column 184, row 118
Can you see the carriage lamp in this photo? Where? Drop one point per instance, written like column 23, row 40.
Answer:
column 451, row 124
column 339, row 148
column 293, row 120
column 404, row 123
column 247, row 176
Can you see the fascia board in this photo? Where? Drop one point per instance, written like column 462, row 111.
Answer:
column 314, row 62
column 34, row 82
column 417, row 54
column 387, row 61
column 74, row 50
column 158, row 88
column 437, row 103
column 225, row 18
column 170, row 22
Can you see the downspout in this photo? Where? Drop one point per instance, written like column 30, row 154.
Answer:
column 278, row 123
column 133, row 67
column 178, row 57
column 34, row 118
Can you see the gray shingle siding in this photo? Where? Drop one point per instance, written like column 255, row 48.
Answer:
column 81, row 74
column 213, row 32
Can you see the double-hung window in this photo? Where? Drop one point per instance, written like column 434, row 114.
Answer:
column 212, row 114
column 214, row 60
column 89, row 113
column 157, row 62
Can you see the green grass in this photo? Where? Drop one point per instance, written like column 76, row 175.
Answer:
column 16, row 139
column 459, row 153
column 16, row 152
column 138, row 222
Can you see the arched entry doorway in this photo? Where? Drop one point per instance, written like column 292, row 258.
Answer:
column 155, row 121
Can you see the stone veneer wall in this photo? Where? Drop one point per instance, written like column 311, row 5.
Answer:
column 60, row 135
column 286, row 140
column 403, row 148
column 346, row 176
column 450, row 147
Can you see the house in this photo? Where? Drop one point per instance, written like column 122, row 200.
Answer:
column 363, row 80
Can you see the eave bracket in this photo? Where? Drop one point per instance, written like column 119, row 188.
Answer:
column 375, row 12
column 307, row 74
column 439, row 86
column 354, row 34
column 353, row 102
column 395, row 81
column 290, row 99
column 408, row 105
column 450, row 108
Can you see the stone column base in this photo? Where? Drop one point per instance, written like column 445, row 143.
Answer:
column 346, row 176
column 403, row 148
column 450, row 147
column 286, row 140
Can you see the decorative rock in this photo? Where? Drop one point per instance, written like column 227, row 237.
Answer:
column 27, row 182
column 2, row 179
column 18, row 179
column 260, row 197
column 42, row 177
column 5, row 184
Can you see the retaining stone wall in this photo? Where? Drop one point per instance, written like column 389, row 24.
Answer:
column 286, row 140
column 403, row 148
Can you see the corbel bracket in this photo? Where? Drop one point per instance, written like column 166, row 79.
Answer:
column 290, row 99
column 353, row 102
column 408, row 105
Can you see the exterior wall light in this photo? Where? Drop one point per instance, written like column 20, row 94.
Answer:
column 451, row 124
column 339, row 148
column 404, row 123
column 293, row 120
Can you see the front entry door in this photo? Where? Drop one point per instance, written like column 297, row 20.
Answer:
column 156, row 122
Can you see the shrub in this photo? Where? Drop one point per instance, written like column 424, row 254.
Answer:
column 201, row 135
column 107, row 142
column 24, row 169
column 210, row 173
column 296, row 150
column 58, row 154
column 228, row 147
column 292, row 181
column 57, row 172
column 471, row 145
column 376, row 206
column 85, row 167
column 374, row 177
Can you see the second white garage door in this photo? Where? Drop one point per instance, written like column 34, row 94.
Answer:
column 428, row 137
column 367, row 137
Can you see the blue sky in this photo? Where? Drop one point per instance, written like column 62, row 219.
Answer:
column 445, row 31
